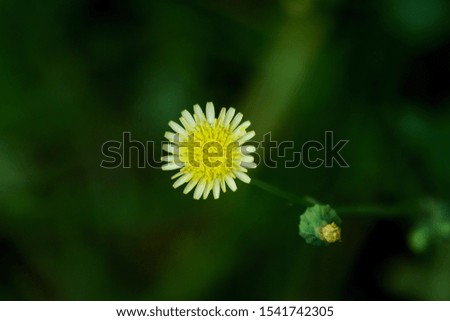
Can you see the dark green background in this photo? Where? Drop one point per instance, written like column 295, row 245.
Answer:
column 74, row 74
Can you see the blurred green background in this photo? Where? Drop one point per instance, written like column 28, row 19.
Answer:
column 76, row 73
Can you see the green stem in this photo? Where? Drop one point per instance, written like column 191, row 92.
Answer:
column 405, row 209
column 401, row 209
column 302, row 200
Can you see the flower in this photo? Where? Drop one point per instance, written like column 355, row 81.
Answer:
column 330, row 233
column 319, row 225
column 209, row 151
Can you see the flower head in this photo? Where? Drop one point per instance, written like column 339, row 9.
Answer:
column 319, row 225
column 209, row 151
column 330, row 233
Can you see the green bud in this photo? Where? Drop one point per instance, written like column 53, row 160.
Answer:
column 419, row 239
column 433, row 226
column 320, row 225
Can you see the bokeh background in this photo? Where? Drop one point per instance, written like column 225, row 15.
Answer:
column 76, row 73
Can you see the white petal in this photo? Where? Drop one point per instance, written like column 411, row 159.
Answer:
column 171, row 166
column 216, row 189
column 169, row 158
column 210, row 113
column 208, row 189
column 237, row 119
column 241, row 169
column 187, row 115
column 190, row 186
column 248, row 149
column 229, row 116
column 176, row 127
column 183, row 179
column 242, row 176
column 180, row 173
column 199, row 113
column 231, row 183
column 173, row 149
column 242, row 127
column 223, row 186
column 170, row 136
column 246, row 137
column 248, row 165
column 185, row 123
column 199, row 189
column 247, row 159
column 222, row 114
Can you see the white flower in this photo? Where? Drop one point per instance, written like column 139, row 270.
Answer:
column 209, row 151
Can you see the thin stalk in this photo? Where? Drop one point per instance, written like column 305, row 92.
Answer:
column 401, row 209
column 302, row 200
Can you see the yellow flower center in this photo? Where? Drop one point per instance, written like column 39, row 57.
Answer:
column 331, row 233
column 210, row 151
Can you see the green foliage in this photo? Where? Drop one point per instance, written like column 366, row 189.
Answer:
column 433, row 227
column 77, row 73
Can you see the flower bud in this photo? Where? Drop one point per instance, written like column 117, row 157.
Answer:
column 319, row 225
